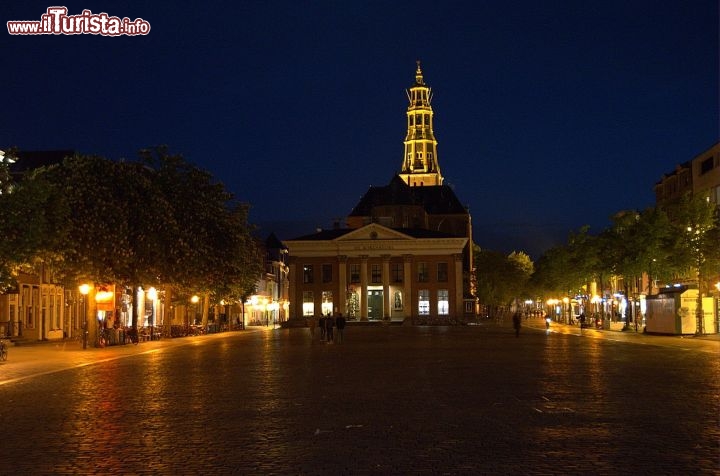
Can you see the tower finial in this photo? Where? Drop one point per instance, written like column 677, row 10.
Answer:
column 418, row 74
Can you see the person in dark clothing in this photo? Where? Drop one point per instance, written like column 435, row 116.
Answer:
column 340, row 324
column 329, row 324
column 517, row 322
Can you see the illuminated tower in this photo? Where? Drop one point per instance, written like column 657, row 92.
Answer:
column 420, row 165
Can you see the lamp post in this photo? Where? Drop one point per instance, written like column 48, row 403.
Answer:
column 194, row 300
column 84, row 290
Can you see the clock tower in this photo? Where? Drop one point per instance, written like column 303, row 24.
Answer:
column 420, row 164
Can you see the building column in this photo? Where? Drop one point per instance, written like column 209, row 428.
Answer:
column 292, row 291
column 387, row 310
column 407, row 283
column 363, row 287
column 342, row 284
column 459, row 302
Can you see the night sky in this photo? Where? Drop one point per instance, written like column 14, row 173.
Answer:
column 549, row 114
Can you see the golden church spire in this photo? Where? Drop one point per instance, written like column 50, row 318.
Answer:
column 420, row 165
column 418, row 74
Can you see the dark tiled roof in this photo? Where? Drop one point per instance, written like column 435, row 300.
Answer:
column 435, row 200
column 272, row 242
column 323, row 235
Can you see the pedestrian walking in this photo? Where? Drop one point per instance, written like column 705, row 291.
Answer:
column 323, row 329
column 517, row 322
column 340, row 324
column 329, row 324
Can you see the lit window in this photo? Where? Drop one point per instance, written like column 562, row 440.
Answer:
column 327, row 303
column 443, row 304
column 424, row 302
column 308, row 304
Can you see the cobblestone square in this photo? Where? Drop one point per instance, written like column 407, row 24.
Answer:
column 389, row 400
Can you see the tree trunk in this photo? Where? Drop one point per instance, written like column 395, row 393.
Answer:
column 135, row 307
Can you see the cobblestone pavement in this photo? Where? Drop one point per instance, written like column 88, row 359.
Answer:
column 389, row 400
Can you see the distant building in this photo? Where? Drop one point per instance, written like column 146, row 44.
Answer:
column 706, row 173
column 699, row 175
column 269, row 305
column 38, row 308
column 406, row 250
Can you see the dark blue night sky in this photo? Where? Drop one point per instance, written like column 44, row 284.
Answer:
column 549, row 114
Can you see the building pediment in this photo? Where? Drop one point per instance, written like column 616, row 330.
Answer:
column 376, row 240
column 373, row 231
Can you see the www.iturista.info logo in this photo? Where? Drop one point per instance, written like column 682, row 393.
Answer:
column 56, row 21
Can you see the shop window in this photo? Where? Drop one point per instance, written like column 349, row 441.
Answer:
column 443, row 302
column 327, row 303
column 308, row 303
column 424, row 302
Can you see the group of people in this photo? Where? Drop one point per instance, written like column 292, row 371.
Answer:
column 327, row 325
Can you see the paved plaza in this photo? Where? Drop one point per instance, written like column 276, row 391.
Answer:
column 388, row 400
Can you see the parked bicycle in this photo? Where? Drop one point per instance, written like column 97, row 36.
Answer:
column 132, row 334
column 3, row 350
column 102, row 338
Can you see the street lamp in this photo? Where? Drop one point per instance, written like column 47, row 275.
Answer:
column 194, row 300
column 84, row 290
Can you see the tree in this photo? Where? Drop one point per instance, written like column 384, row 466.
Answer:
column 31, row 222
column 157, row 222
column 6, row 159
column 695, row 220
column 500, row 278
column 210, row 248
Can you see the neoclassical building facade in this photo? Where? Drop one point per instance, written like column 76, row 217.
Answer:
column 376, row 273
column 406, row 250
